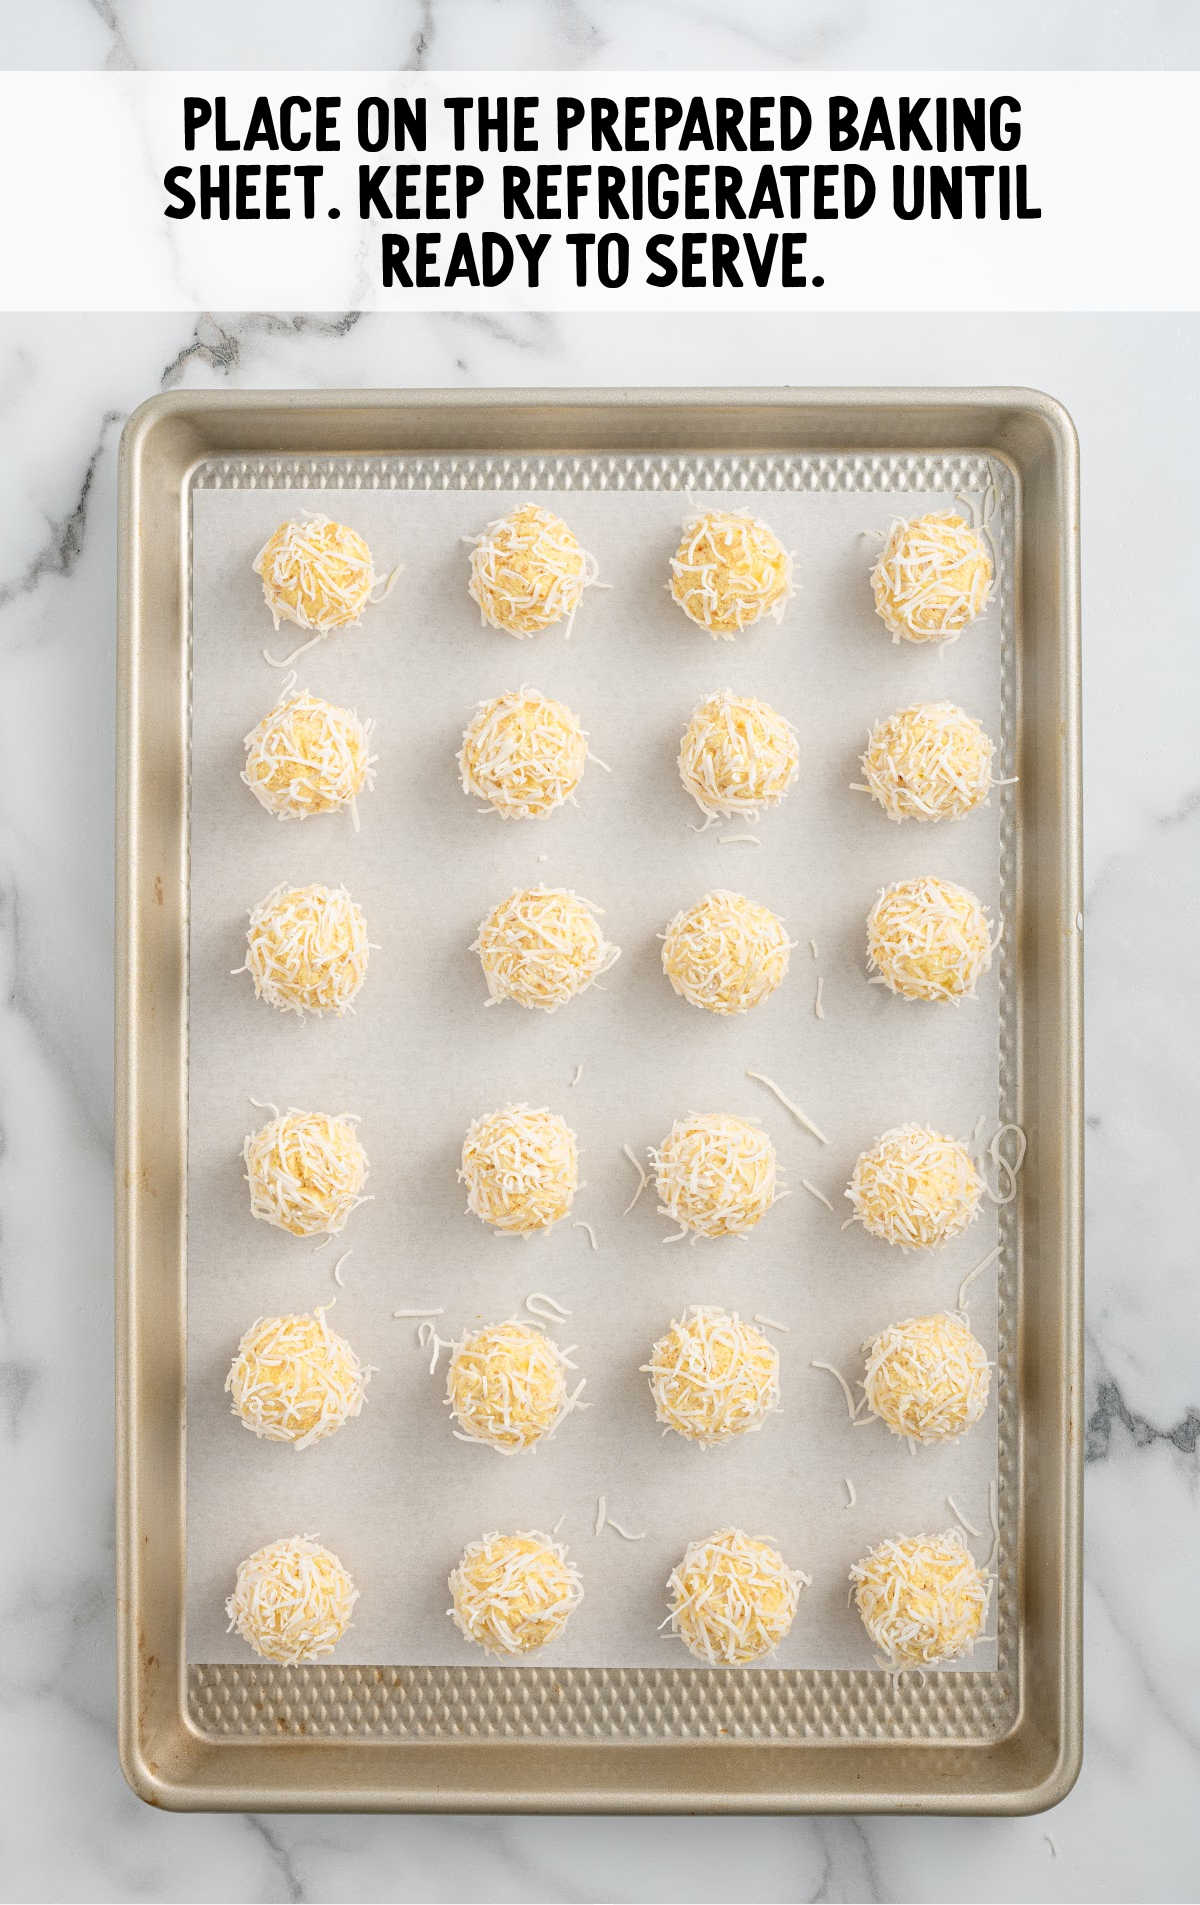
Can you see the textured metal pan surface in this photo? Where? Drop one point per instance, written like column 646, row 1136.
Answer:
column 366, row 1736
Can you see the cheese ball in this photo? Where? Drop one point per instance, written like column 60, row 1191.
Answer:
column 932, row 577
column 307, row 949
column 307, row 757
column 927, row 1379
column 316, row 573
column 521, row 1169
column 294, row 1380
column 511, row 1594
column 306, row 1172
column 716, row 1175
column 292, row 1601
column 542, row 947
column 737, row 756
column 916, row 1188
column 507, row 1386
column 923, row 1598
column 713, row 1377
column 528, row 572
column 524, row 754
column 733, row 1598
column 928, row 762
column 730, row 571
column 928, row 939
column 726, row 954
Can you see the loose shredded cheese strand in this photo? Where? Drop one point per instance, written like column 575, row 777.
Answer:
column 580, row 1225
column 739, row 840
column 428, row 1338
column 538, row 1302
column 623, row 1532
column 1006, row 1187
column 851, row 1497
column 814, row 1192
column 415, row 1313
column 818, row 1008
column 578, row 1075
column 558, row 1524
column 601, row 1514
column 852, row 1407
column 975, row 1533
column 801, row 1117
column 970, row 1277
column 643, row 1180
column 337, row 1269
column 769, row 1323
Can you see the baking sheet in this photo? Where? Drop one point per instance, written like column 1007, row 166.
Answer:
column 394, row 1493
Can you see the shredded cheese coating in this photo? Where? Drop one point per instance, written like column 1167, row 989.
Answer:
column 292, row 1601
column 316, row 573
column 521, row 1169
column 737, row 755
column 928, row 939
column 713, row 1377
column 511, row 1594
column 726, row 954
column 507, row 1385
column 932, row 577
column 928, row 762
column 307, row 757
column 915, row 1187
column 923, row 1598
column 730, row 571
column 523, row 753
column 307, row 949
column 928, row 1378
column 528, row 571
column 295, row 1380
column 733, row 1598
column 716, row 1175
column 306, row 1172
column 541, row 947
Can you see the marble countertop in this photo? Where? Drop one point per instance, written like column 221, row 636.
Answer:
column 68, row 1826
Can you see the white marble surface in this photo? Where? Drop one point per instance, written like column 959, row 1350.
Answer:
column 68, row 1827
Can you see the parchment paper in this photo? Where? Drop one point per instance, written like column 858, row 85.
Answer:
column 394, row 1493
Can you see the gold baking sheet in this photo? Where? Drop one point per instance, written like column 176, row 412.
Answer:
column 447, row 1709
